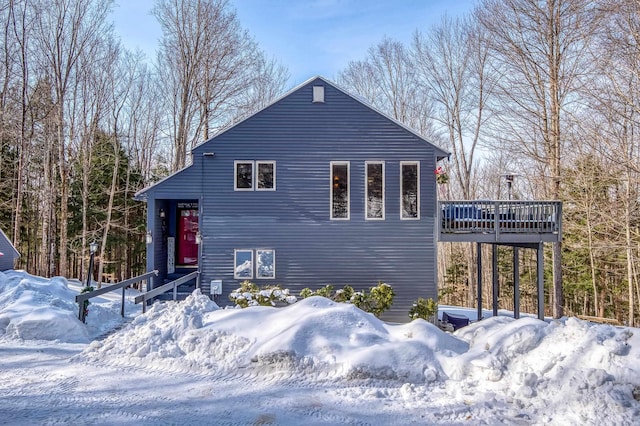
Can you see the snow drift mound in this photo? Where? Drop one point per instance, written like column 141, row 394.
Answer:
column 552, row 368
column 313, row 336
column 34, row 308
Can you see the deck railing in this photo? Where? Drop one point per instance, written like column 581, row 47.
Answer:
column 173, row 285
column 81, row 298
column 500, row 217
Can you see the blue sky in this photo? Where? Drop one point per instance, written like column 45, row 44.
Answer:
column 315, row 37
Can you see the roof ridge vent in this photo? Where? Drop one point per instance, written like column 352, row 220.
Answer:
column 318, row 94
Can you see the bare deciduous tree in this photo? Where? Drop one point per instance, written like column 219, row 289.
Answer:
column 67, row 29
column 615, row 97
column 206, row 62
column 451, row 60
column 540, row 50
column 387, row 80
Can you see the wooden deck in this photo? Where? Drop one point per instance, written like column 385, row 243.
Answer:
column 502, row 222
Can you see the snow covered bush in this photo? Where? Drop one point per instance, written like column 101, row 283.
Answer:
column 378, row 300
column 345, row 295
column 424, row 308
column 326, row 291
column 250, row 294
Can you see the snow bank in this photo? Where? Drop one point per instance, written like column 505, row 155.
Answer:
column 526, row 370
column 568, row 372
column 314, row 336
column 318, row 336
column 560, row 371
column 34, row 308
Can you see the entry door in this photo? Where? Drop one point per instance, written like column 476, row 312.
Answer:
column 187, row 230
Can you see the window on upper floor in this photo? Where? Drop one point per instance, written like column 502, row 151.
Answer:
column 266, row 171
column 340, row 190
column 409, row 190
column 254, row 175
column 374, row 184
column 243, row 175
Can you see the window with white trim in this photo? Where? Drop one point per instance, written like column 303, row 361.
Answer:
column 243, row 179
column 409, row 190
column 250, row 175
column 266, row 175
column 265, row 263
column 374, row 190
column 340, row 190
column 243, row 264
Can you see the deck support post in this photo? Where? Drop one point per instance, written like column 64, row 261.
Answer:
column 494, row 277
column 479, row 272
column 540, row 279
column 516, row 283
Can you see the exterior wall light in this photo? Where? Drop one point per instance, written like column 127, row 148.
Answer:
column 93, row 248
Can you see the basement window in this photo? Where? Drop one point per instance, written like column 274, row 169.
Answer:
column 265, row 263
column 243, row 260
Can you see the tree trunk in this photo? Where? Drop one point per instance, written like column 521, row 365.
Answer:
column 17, row 223
column 629, row 253
column 112, row 194
column 64, row 191
column 47, row 208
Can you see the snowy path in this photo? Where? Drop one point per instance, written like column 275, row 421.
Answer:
column 44, row 386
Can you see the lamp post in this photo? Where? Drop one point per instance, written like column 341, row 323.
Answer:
column 509, row 177
column 93, row 248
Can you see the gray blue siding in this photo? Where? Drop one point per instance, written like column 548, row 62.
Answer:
column 311, row 250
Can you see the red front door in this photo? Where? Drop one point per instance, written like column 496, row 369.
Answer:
column 187, row 230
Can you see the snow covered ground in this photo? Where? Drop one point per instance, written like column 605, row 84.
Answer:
column 314, row 363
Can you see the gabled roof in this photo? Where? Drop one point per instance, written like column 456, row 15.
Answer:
column 7, row 243
column 440, row 153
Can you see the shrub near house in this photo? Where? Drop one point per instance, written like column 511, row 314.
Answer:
column 376, row 301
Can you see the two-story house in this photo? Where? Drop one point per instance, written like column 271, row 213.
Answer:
column 317, row 188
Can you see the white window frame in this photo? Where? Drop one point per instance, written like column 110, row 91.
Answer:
column 235, row 175
column 340, row 163
column 235, row 264
column 258, row 277
column 366, row 190
column 256, row 169
column 418, row 195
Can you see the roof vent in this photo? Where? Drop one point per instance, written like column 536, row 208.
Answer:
column 318, row 94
